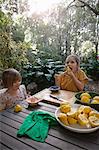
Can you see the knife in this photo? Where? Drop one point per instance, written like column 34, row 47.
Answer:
column 56, row 97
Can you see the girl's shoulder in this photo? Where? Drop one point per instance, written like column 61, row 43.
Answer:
column 22, row 87
column 80, row 71
column 82, row 75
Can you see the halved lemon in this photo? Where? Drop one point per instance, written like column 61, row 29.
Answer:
column 94, row 121
column 85, row 94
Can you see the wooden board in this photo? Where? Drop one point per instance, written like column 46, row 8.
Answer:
column 61, row 94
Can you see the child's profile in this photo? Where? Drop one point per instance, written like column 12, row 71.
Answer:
column 13, row 90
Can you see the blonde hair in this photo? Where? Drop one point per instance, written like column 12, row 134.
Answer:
column 77, row 59
column 10, row 76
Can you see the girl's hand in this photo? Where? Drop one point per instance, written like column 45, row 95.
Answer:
column 69, row 72
column 28, row 94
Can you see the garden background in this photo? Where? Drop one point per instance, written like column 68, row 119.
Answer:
column 37, row 43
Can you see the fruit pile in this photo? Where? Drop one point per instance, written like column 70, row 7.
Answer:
column 83, row 115
column 86, row 98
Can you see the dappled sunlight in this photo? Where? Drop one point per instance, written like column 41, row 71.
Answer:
column 40, row 6
column 86, row 47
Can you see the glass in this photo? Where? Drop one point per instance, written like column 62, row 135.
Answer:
column 23, row 103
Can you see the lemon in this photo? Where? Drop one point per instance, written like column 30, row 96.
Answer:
column 65, row 108
column 87, row 109
column 72, row 114
column 18, row 108
column 63, row 118
column 85, row 99
column 71, row 120
column 83, row 121
column 85, row 94
column 84, row 109
column 80, row 109
column 95, row 102
column 68, row 69
column 96, row 98
column 94, row 121
column 94, row 113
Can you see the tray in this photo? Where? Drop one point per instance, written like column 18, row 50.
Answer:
column 92, row 94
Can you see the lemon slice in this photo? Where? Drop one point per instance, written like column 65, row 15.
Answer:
column 71, row 120
column 95, row 102
column 94, row 121
column 96, row 98
column 94, row 113
column 63, row 118
column 68, row 68
column 84, row 109
column 73, row 114
column 83, row 121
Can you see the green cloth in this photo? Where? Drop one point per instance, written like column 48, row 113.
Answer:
column 36, row 125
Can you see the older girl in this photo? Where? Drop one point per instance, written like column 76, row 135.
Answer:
column 73, row 79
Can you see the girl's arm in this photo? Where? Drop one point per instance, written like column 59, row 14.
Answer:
column 24, row 91
column 57, row 79
column 78, row 83
column 2, row 100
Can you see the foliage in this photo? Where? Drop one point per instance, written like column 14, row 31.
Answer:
column 91, row 66
column 5, row 22
column 11, row 54
column 86, row 48
column 89, row 58
column 42, row 73
column 18, row 33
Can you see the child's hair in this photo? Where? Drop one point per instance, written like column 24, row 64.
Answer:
column 9, row 77
column 77, row 59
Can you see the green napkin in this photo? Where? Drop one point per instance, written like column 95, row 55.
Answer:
column 36, row 125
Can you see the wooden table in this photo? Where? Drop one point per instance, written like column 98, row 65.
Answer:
column 58, row 138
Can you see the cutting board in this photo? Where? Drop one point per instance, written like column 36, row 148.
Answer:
column 61, row 94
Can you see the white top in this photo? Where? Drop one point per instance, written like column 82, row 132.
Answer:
column 8, row 101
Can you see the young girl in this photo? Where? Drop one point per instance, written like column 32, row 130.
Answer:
column 73, row 79
column 13, row 90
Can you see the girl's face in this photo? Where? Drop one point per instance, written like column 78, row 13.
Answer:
column 72, row 64
column 16, row 84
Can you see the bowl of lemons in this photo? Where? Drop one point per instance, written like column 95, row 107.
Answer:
column 77, row 118
column 88, row 98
